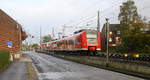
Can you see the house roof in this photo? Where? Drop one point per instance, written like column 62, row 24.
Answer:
column 5, row 18
column 112, row 27
column 5, row 15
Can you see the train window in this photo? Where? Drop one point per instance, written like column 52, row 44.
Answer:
column 91, row 38
column 54, row 45
column 70, row 42
column 58, row 45
column 78, row 39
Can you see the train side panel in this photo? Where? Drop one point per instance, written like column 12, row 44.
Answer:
column 79, row 42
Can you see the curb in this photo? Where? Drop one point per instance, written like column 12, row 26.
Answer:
column 37, row 73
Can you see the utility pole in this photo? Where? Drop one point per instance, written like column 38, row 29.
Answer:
column 107, row 34
column 63, row 32
column 40, row 37
column 53, row 32
column 98, row 22
column 59, row 35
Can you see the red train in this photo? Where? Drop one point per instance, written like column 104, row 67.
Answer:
column 81, row 41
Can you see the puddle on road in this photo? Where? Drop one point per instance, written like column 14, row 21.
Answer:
column 61, row 75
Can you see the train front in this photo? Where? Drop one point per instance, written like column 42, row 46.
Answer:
column 92, row 40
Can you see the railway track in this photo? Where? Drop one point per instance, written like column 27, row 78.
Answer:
column 119, row 60
column 112, row 59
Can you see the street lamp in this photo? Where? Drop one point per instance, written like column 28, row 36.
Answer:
column 107, row 45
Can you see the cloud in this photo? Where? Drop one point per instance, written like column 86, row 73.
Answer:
column 54, row 13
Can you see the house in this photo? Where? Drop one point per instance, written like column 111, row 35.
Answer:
column 113, row 37
column 11, row 35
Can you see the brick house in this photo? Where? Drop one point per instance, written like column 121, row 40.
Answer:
column 114, row 36
column 10, row 32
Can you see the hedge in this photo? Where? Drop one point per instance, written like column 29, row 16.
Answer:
column 4, row 59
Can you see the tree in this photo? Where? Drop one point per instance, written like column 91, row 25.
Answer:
column 47, row 38
column 24, row 46
column 35, row 46
column 133, row 38
column 128, row 12
column 128, row 15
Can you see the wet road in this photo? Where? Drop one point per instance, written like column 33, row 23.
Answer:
column 51, row 68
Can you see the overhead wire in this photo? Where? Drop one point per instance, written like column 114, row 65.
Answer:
column 87, row 10
column 95, row 15
column 102, row 13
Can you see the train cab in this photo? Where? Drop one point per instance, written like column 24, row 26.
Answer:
column 90, row 40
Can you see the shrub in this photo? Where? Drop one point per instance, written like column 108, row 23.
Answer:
column 135, row 44
column 4, row 59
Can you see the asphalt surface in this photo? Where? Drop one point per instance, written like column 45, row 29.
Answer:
column 16, row 71
column 51, row 68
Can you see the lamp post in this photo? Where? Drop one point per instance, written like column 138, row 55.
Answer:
column 40, row 37
column 107, row 44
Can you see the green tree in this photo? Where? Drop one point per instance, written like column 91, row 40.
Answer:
column 47, row 38
column 128, row 15
column 133, row 38
column 24, row 46
column 34, row 45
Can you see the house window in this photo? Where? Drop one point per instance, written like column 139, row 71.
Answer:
column 118, row 40
column 113, row 44
column 110, row 32
column 110, row 39
column 118, row 32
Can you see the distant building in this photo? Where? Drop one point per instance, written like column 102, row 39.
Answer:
column 114, row 36
column 11, row 35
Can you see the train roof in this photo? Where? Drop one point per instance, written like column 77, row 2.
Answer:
column 85, row 30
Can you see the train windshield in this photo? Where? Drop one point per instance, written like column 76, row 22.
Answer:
column 91, row 38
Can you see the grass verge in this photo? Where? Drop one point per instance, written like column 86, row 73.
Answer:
column 31, row 73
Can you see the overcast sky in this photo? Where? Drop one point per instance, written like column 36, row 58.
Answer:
column 32, row 14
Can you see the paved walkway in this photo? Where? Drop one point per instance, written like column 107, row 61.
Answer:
column 17, row 71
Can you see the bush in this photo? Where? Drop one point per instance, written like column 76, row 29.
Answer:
column 135, row 44
column 4, row 59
